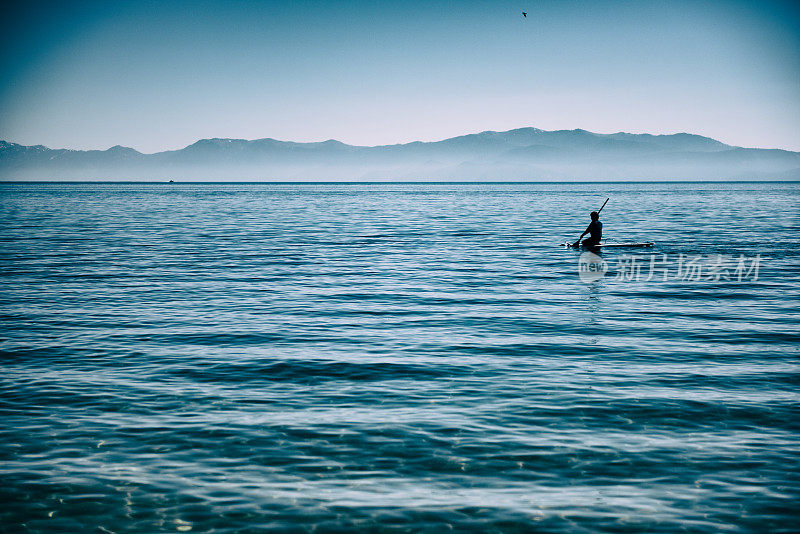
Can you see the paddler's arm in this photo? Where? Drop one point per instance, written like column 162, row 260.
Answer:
column 578, row 242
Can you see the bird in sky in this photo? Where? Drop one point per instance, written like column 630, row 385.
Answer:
column 524, row 14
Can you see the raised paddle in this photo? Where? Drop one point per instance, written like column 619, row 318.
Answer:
column 578, row 242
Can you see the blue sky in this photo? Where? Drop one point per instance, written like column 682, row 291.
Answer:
column 160, row 75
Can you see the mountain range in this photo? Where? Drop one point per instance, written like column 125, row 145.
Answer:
column 520, row 154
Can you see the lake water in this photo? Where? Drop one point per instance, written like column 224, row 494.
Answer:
column 398, row 357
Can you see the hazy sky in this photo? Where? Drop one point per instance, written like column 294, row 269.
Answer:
column 160, row 75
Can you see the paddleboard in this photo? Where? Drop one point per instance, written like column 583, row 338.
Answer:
column 616, row 245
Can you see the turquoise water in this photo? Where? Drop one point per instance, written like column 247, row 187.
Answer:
column 395, row 357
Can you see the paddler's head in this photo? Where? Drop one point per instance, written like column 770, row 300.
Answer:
column 594, row 215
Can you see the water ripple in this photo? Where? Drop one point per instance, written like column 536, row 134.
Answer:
column 393, row 357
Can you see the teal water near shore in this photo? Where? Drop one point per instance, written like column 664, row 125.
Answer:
column 396, row 357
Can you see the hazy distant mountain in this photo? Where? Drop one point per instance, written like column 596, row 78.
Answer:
column 521, row 154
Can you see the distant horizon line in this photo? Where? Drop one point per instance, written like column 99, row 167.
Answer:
column 384, row 182
column 392, row 144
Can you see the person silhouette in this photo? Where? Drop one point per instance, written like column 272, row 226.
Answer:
column 595, row 231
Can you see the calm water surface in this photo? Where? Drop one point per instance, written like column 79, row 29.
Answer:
column 394, row 357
